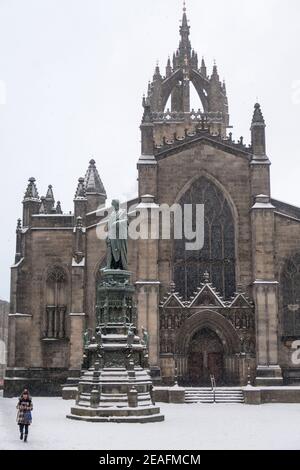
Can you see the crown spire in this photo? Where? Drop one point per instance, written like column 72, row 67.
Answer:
column 185, row 45
column 184, row 17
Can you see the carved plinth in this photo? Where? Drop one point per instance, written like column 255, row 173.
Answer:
column 117, row 385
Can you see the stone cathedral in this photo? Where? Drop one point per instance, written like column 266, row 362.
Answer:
column 231, row 309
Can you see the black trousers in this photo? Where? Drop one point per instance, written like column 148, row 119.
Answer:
column 22, row 426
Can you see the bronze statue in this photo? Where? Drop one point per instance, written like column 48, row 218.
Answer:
column 117, row 238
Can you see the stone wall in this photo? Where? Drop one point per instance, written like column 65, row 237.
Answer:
column 287, row 244
column 4, row 309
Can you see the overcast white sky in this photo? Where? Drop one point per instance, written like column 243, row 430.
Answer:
column 72, row 75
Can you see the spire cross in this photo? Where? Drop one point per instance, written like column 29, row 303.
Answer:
column 184, row 6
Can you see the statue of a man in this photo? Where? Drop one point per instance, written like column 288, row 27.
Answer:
column 85, row 339
column 117, row 238
column 145, row 339
column 99, row 336
column 130, row 336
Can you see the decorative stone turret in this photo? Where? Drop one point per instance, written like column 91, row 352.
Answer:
column 95, row 191
column 31, row 202
column 258, row 137
column 260, row 163
column 19, row 250
column 49, row 200
column 80, row 200
column 58, row 208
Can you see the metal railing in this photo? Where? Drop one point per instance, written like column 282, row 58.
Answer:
column 213, row 386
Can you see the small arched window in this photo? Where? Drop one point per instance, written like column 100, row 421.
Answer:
column 56, row 303
column 290, row 296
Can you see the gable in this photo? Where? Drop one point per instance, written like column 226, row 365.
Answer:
column 207, row 296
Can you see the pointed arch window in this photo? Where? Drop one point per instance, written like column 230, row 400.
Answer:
column 56, row 304
column 290, row 297
column 217, row 257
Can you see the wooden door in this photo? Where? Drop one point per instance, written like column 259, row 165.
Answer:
column 195, row 367
column 215, row 366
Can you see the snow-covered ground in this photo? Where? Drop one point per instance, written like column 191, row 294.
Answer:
column 196, row 426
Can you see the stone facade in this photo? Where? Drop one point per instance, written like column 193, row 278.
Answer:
column 4, row 309
column 231, row 310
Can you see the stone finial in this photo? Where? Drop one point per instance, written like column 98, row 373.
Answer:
column 92, row 180
column 49, row 200
column 58, row 208
column 215, row 74
column 31, row 191
column 206, row 277
column 81, row 191
column 258, row 115
column 258, row 134
column 240, row 289
column 184, row 16
column 49, row 194
column 157, row 74
column 43, row 206
column 203, row 69
column 19, row 225
column 168, row 68
column 172, row 287
column 147, row 115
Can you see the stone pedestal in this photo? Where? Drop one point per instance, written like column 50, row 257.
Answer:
column 117, row 386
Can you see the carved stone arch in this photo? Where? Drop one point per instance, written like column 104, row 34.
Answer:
column 220, row 250
column 216, row 182
column 198, row 82
column 211, row 320
column 168, row 85
column 201, row 85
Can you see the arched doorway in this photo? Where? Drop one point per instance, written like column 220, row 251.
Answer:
column 205, row 358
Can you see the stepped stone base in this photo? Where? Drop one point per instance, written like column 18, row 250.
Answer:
column 269, row 376
column 121, row 415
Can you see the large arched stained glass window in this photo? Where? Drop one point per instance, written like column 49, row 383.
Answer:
column 217, row 257
column 290, row 296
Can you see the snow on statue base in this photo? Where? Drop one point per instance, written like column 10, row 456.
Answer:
column 117, row 386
